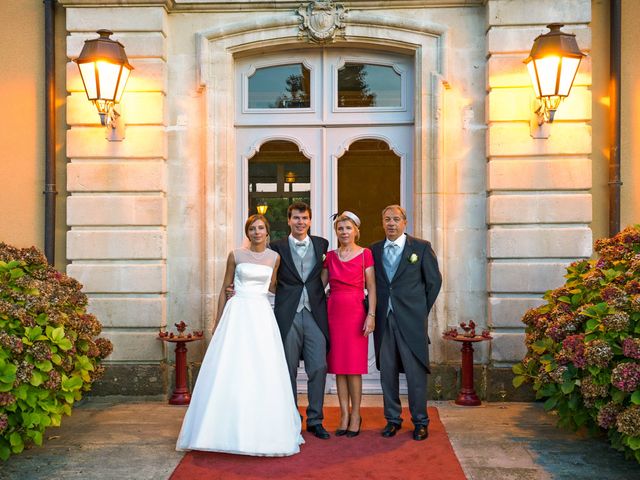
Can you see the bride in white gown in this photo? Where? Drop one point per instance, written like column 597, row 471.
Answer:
column 242, row 402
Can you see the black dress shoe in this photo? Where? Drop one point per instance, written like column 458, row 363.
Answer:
column 390, row 430
column 340, row 432
column 319, row 431
column 420, row 433
column 351, row 433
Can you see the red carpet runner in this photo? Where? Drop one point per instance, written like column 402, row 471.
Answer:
column 367, row 456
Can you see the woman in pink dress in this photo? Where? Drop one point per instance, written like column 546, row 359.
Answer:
column 348, row 269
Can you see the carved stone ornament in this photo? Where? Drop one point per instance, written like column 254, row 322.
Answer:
column 320, row 20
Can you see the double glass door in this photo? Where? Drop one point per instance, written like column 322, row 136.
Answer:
column 329, row 127
column 331, row 169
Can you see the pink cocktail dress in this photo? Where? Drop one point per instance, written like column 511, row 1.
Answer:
column 349, row 347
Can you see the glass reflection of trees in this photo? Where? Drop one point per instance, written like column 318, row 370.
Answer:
column 279, row 175
column 297, row 93
column 367, row 85
column 281, row 86
column 353, row 90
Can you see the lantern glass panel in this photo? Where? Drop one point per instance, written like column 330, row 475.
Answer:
column 123, row 82
column 534, row 78
column 547, row 74
column 88, row 72
column 109, row 74
column 569, row 69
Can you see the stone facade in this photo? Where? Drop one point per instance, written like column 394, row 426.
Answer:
column 538, row 205
column 117, row 208
column 152, row 218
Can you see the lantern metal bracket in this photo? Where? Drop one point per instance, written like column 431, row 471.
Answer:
column 114, row 123
column 539, row 122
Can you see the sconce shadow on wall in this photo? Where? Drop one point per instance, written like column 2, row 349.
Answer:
column 553, row 64
column 105, row 69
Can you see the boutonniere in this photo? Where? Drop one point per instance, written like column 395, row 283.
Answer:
column 324, row 257
column 413, row 258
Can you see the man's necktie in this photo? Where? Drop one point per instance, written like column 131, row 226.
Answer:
column 391, row 252
column 301, row 248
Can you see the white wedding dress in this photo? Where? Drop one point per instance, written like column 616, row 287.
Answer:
column 242, row 402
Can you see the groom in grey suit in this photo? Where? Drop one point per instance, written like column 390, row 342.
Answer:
column 301, row 309
column 407, row 283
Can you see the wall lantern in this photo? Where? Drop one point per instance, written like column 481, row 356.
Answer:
column 553, row 63
column 105, row 69
column 262, row 208
column 290, row 177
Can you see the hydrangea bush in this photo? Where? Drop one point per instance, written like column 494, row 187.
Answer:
column 583, row 345
column 49, row 353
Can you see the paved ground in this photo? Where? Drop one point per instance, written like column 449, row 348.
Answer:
column 134, row 438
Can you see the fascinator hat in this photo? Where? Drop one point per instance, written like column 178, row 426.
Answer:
column 346, row 214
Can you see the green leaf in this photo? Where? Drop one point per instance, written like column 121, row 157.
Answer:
column 37, row 378
column 83, row 363
column 16, row 273
column 56, row 334
column 8, row 378
column 72, row 383
column 567, row 387
column 581, row 418
column 601, row 308
column 4, row 452
column 21, row 392
column 518, row 369
column 37, row 438
column 592, row 324
column 8, row 368
column 539, row 347
column 5, row 387
column 15, row 439
column 55, row 419
column 65, row 344
column 33, row 333
column 564, row 299
column 635, row 398
column 56, row 359
column 518, row 380
column 549, row 390
column 634, row 443
column 590, row 337
column 573, row 401
column 617, row 395
column 18, row 448
column 36, row 418
column 68, row 397
column 550, row 403
column 44, row 366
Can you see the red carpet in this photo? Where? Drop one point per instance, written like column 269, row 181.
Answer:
column 367, row 456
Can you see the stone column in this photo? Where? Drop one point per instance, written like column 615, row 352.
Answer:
column 539, row 204
column 116, row 210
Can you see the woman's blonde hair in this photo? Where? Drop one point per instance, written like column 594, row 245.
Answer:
column 348, row 217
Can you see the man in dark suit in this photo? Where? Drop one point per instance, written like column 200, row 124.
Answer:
column 301, row 309
column 407, row 283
